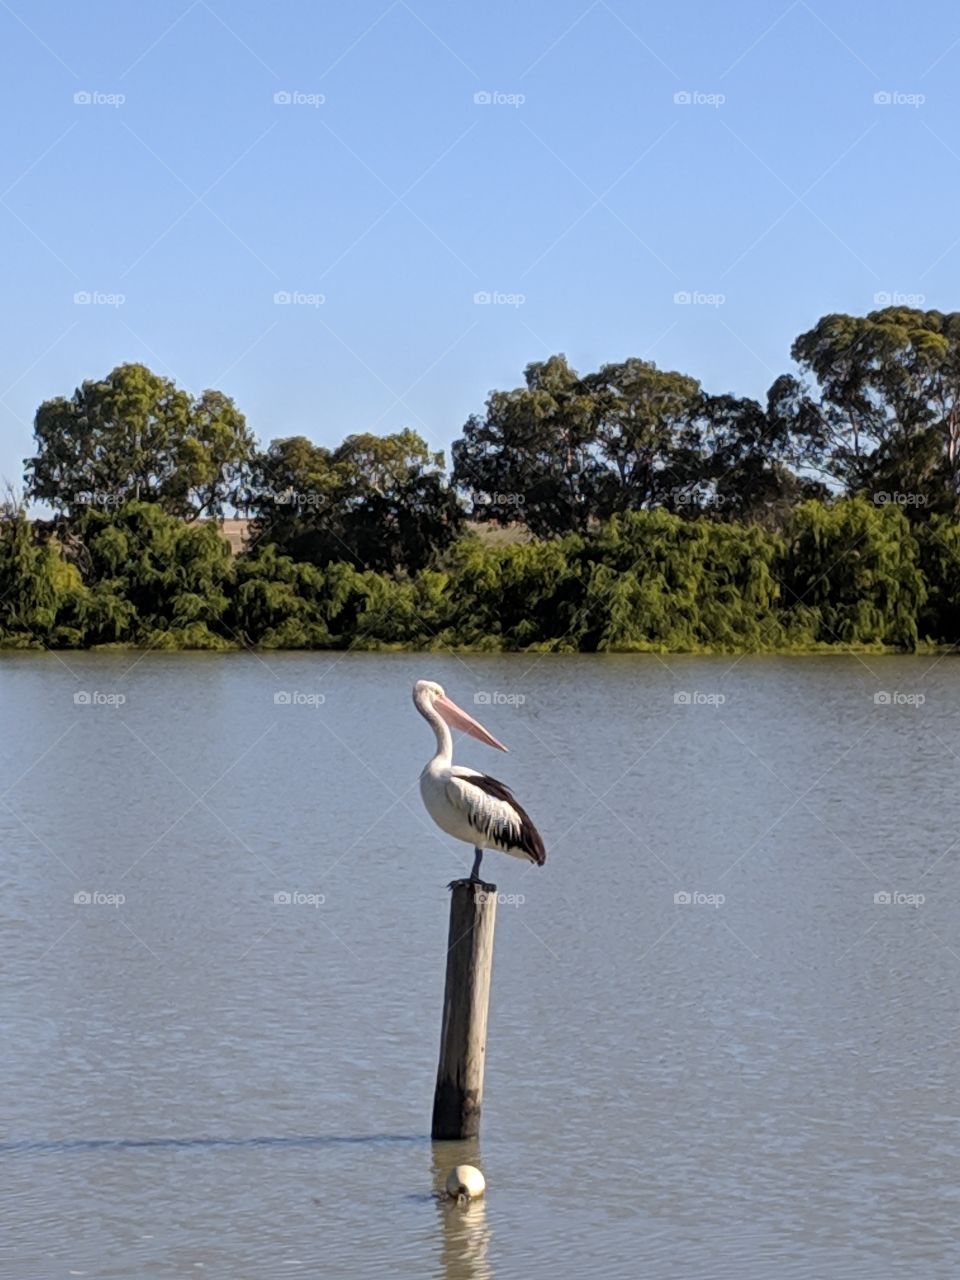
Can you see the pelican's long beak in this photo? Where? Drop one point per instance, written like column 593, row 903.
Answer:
column 458, row 719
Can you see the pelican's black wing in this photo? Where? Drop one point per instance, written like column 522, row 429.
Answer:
column 523, row 834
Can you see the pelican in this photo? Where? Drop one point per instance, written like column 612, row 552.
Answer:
column 464, row 803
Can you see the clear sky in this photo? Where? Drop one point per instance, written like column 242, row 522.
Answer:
column 580, row 194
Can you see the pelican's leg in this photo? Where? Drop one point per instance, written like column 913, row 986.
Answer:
column 474, row 877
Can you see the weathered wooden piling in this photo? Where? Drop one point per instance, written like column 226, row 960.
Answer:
column 466, row 998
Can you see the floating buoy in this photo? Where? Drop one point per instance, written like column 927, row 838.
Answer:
column 465, row 1182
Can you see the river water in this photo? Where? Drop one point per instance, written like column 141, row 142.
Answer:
column 723, row 1030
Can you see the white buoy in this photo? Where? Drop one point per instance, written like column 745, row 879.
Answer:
column 465, row 1182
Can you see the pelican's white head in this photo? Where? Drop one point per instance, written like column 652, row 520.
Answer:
column 431, row 701
column 427, row 689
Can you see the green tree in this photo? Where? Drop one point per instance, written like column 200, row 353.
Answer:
column 644, row 418
column 152, row 579
column 656, row 582
column 740, row 460
column 563, row 452
column 851, row 574
column 380, row 502
column 889, row 402
column 278, row 602
column 135, row 436
column 514, row 595
column 532, row 457
column 41, row 596
column 939, row 542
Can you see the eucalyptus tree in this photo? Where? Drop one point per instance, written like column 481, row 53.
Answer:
column 748, row 460
column 136, row 436
column 644, row 434
column 378, row 502
column 531, row 456
column 889, row 413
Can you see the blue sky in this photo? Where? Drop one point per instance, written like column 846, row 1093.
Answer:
column 581, row 195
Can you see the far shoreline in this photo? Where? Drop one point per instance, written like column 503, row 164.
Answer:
column 230, row 648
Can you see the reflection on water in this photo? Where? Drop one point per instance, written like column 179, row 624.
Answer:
column 464, row 1229
column 723, row 1017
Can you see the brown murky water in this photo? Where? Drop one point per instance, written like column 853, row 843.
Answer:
column 758, row 1081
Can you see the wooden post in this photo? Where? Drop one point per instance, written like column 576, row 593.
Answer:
column 466, row 997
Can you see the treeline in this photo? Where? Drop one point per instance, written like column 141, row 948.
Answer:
column 644, row 513
column 849, row 573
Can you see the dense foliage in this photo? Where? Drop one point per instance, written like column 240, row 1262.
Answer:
column 135, row 435
column 848, row 573
column 638, row 512
column 378, row 501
